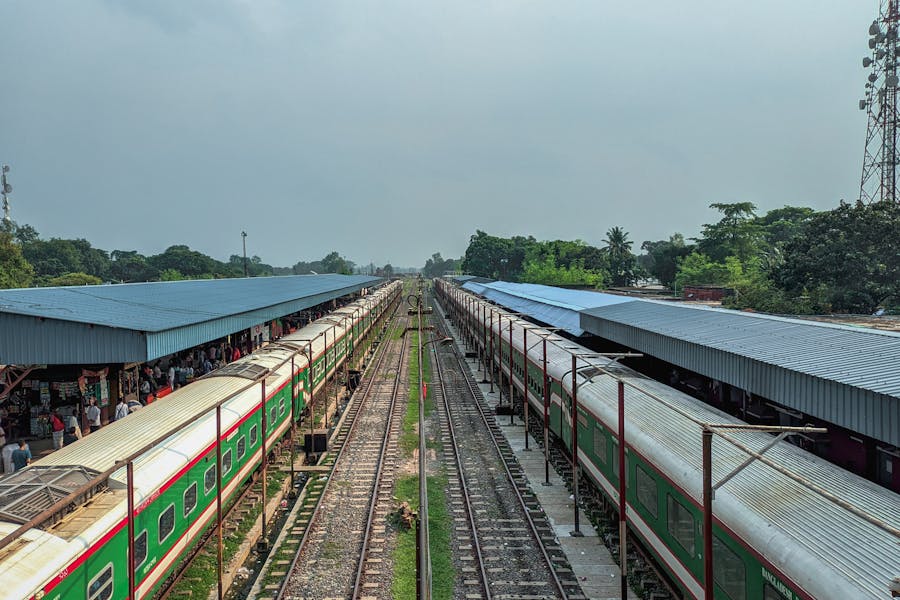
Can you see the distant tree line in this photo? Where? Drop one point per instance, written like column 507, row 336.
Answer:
column 790, row 260
column 555, row 262
column 27, row 260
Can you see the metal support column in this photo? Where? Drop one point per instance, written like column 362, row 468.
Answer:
column 129, row 474
column 577, row 532
column 219, row 548
column 623, row 515
column 707, row 515
column 546, row 394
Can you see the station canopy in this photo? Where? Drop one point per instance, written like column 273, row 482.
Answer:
column 558, row 307
column 139, row 322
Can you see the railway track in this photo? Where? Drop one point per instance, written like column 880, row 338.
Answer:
column 334, row 542
column 506, row 546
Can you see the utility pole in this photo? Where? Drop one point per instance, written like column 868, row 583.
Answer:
column 5, row 189
column 244, row 239
column 879, row 172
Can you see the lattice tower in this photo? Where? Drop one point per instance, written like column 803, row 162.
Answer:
column 879, row 172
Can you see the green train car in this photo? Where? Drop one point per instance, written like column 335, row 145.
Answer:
column 776, row 536
column 85, row 554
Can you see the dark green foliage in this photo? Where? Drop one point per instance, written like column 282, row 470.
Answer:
column 662, row 257
column 497, row 258
column 437, row 266
column 848, row 255
column 15, row 271
column 557, row 262
column 622, row 263
column 736, row 234
column 74, row 279
column 331, row 263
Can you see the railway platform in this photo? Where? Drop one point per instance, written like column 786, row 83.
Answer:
column 591, row 562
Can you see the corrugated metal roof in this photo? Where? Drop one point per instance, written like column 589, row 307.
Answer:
column 845, row 375
column 559, row 307
column 143, row 321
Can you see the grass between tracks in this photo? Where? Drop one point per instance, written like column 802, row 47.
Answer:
column 409, row 439
column 439, row 522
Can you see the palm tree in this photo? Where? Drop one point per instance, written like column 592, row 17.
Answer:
column 621, row 260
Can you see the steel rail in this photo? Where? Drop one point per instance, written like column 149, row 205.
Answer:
column 531, row 525
column 476, row 543
column 369, row 384
column 373, row 500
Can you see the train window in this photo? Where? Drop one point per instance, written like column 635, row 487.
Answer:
column 241, row 447
column 254, row 435
column 600, row 449
column 190, row 498
column 681, row 524
column 101, row 586
column 771, row 593
column 281, row 407
column 140, row 549
column 646, row 491
column 166, row 523
column 273, row 417
column 729, row 571
column 226, row 462
column 209, row 479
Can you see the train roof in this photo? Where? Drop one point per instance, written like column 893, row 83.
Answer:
column 829, row 533
column 836, row 536
column 772, row 511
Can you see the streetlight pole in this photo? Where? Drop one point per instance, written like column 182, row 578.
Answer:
column 244, row 240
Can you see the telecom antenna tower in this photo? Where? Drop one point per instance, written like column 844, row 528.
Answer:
column 879, row 172
column 5, row 189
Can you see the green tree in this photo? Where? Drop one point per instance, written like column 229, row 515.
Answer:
column 15, row 270
column 736, row 234
column 170, row 275
column 128, row 266
column 484, row 254
column 847, row 257
column 622, row 263
column 546, row 272
column 53, row 257
column 437, row 266
column 661, row 257
column 697, row 268
column 335, row 263
column 70, row 279
column 191, row 264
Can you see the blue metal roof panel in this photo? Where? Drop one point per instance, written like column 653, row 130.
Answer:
column 158, row 306
column 868, row 357
column 845, row 375
column 559, row 307
column 51, row 331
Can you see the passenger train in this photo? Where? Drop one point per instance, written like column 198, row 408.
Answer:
column 776, row 536
column 84, row 555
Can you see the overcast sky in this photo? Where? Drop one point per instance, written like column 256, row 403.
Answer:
column 391, row 130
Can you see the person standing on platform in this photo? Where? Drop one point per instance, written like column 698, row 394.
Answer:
column 21, row 456
column 58, row 429
column 121, row 409
column 93, row 414
column 171, row 376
